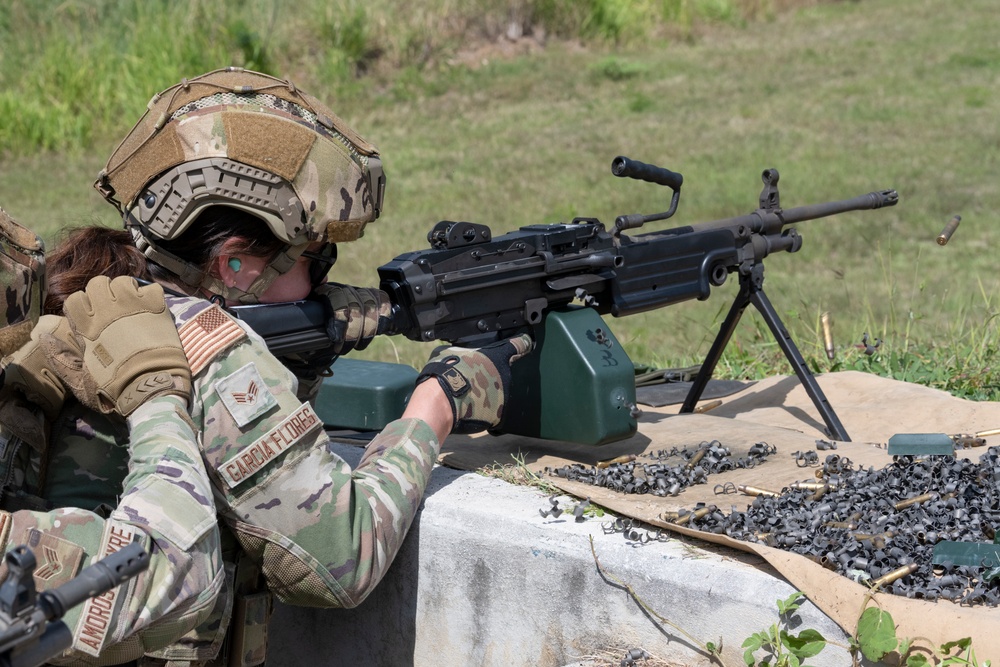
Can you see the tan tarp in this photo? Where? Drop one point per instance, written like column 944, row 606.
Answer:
column 779, row 412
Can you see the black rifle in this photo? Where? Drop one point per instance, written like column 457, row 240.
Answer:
column 31, row 631
column 470, row 288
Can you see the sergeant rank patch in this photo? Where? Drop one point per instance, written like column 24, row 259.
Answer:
column 58, row 559
column 245, row 395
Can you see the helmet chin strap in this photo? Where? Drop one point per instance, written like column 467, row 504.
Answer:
column 195, row 278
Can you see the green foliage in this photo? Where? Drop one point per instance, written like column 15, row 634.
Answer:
column 686, row 12
column 251, row 44
column 876, row 639
column 876, row 634
column 70, row 70
column 781, row 647
column 617, row 20
column 346, row 39
column 615, row 68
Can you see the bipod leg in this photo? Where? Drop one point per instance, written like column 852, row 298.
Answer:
column 833, row 425
column 718, row 347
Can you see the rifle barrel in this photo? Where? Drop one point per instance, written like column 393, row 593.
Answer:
column 763, row 221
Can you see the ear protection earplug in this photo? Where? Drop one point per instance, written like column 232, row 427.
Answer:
column 235, row 264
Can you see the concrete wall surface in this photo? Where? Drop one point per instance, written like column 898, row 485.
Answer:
column 484, row 579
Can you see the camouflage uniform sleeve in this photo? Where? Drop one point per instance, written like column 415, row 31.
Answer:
column 323, row 533
column 167, row 506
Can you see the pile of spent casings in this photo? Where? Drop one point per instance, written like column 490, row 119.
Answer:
column 873, row 526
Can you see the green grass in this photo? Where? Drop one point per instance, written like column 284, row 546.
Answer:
column 841, row 97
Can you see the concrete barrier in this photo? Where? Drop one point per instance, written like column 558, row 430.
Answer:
column 484, row 579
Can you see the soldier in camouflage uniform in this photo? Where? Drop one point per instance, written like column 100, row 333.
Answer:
column 145, row 379
column 218, row 166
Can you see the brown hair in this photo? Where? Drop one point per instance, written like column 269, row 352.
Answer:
column 85, row 252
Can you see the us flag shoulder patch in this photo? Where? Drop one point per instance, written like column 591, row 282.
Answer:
column 207, row 335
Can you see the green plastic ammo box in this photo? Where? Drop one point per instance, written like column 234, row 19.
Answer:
column 578, row 385
column 364, row 395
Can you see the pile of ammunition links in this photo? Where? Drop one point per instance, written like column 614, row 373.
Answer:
column 873, row 526
column 662, row 479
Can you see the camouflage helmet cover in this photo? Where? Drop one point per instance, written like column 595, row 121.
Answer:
column 22, row 275
column 304, row 171
column 263, row 123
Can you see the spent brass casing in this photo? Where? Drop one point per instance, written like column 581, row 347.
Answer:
column 698, row 455
column 756, row 491
column 626, row 458
column 697, row 514
column 822, row 560
column 898, row 573
column 827, row 335
column 849, row 525
column 877, row 540
column 965, row 440
column 810, row 486
column 948, row 230
column 916, row 500
column 711, row 405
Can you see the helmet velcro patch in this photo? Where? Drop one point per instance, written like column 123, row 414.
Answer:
column 268, row 142
column 157, row 155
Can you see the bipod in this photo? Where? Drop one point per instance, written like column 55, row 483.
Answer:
column 752, row 292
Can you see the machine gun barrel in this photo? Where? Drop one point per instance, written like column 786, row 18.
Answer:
column 767, row 222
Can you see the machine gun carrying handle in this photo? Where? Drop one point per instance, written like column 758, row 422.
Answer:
column 623, row 167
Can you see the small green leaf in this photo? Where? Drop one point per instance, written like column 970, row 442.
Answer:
column 808, row 643
column 917, row 660
column 876, row 633
column 751, row 644
column 790, row 603
column 963, row 644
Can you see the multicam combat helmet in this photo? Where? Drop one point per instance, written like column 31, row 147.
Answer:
column 22, row 277
column 238, row 138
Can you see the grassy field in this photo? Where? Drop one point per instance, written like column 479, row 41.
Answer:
column 841, row 97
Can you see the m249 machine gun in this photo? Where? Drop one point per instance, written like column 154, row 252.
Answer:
column 556, row 280
column 31, row 632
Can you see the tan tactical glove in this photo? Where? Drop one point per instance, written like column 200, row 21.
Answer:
column 125, row 348
column 358, row 314
column 476, row 380
column 29, row 372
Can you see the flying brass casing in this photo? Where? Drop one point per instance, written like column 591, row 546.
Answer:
column 948, row 230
